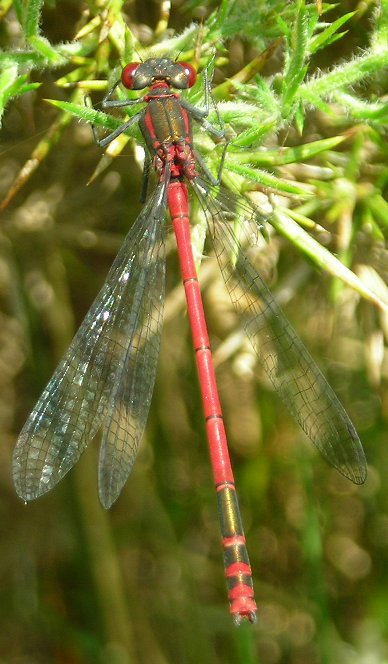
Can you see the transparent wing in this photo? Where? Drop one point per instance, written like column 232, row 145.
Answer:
column 118, row 341
column 137, row 333
column 290, row 367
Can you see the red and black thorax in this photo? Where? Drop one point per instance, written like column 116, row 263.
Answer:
column 166, row 128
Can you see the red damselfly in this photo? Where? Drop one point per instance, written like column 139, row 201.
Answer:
column 106, row 378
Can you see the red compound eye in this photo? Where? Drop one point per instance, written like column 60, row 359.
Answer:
column 127, row 74
column 191, row 74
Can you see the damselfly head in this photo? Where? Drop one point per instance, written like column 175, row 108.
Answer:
column 140, row 75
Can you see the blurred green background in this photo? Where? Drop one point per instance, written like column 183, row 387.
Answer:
column 144, row 582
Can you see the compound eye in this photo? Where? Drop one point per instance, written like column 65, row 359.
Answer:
column 190, row 74
column 127, row 75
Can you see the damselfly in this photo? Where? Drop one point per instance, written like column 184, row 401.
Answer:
column 106, row 379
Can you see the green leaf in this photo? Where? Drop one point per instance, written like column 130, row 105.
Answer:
column 344, row 75
column 324, row 38
column 87, row 114
column 11, row 85
column 76, row 75
column 299, row 119
column 253, row 136
column 25, row 59
column 295, row 68
column 320, row 256
column 267, row 180
column 281, row 156
column 32, row 17
column 379, row 208
column 47, row 51
column 363, row 110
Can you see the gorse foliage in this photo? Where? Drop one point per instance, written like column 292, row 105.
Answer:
column 303, row 32
column 253, row 106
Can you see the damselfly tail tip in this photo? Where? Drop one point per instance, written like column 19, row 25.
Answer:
column 244, row 610
column 238, row 618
